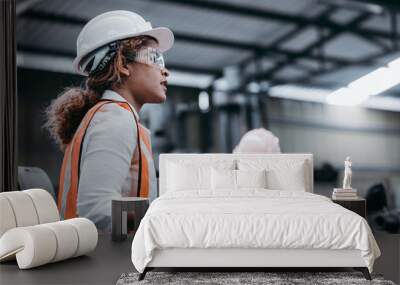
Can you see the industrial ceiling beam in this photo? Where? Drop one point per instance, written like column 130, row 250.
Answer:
column 23, row 6
column 294, row 32
column 71, row 55
column 308, row 79
column 45, row 51
column 278, row 16
column 287, row 36
column 310, row 49
column 394, row 29
column 259, row 49
column 62, row 19
column 390, row 4
column 72, row 20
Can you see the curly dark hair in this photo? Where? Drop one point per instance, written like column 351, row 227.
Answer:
column 66, row 112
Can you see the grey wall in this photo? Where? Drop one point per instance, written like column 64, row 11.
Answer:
column 370, row 137
column 36, row 89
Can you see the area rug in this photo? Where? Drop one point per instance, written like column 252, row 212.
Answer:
column 269, row 278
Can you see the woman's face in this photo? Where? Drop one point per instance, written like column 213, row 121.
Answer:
column 147, row 83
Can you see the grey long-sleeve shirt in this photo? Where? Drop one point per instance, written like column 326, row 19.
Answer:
column 105, row 173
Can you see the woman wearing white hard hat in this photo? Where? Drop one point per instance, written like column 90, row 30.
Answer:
column 107, row 152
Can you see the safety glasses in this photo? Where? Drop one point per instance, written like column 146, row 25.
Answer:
column 148, row 56
column 97, row 61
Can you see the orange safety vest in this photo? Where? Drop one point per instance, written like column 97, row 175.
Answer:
column 73, row 154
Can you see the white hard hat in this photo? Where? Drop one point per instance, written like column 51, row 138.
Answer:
column 117, row 25
column 258, row 141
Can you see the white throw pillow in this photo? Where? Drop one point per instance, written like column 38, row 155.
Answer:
column 292, row 179
column 251, row 178
column 223, row 179
column 182, row 177
column 281, row 175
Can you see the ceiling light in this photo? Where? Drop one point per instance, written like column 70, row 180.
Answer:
column 346, row 97
column 179, row 78
column 253, row 87
column 204, row 101
column 375, row 82
column 343, row 96
column 299, row 93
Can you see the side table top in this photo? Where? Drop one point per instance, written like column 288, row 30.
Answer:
column 131, row 199
column 349, row 200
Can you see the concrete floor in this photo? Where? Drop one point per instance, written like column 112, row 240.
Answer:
column 110, row 260
column 102, row 266
column 389, row 262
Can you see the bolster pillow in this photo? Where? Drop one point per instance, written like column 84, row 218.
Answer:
column 26, row 208
column 40, row 244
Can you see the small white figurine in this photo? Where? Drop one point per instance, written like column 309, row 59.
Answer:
column 347, row 174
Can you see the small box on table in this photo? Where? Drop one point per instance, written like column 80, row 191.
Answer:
column 119, row 215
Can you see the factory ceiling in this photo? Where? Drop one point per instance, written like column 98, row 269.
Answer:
column 311, row 42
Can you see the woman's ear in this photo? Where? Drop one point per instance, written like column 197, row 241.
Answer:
column 125, row 71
